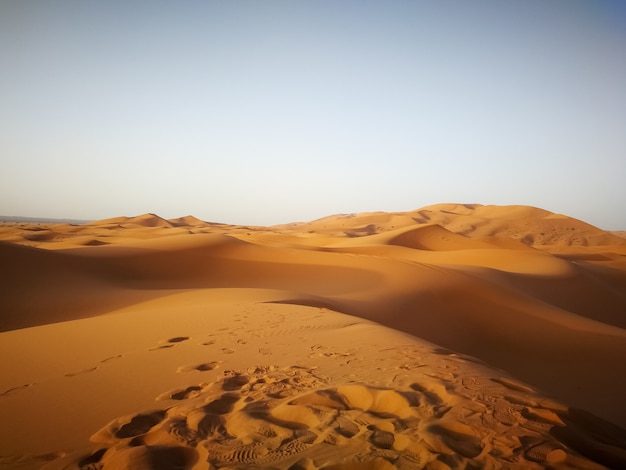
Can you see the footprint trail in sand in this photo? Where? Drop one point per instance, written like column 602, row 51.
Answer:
column 295, row 417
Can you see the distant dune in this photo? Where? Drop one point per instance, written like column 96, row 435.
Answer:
column 452, row 336
column 39, row 220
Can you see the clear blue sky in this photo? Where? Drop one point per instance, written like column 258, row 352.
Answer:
column 264, row 112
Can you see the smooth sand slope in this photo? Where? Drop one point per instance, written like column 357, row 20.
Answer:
column 452, row 336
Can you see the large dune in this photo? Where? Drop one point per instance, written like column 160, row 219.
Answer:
column 452, row 336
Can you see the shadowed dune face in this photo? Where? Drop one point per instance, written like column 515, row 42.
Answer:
column 538, row 295
column 56, row 286
column 41, row 287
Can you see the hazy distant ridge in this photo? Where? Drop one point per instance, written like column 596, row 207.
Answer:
column 41, row 220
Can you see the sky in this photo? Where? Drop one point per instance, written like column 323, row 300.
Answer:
column 268, row 112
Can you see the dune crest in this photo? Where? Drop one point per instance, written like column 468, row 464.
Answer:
column 531, row 225
column 452, row 336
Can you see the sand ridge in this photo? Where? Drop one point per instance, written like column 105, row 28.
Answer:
column 144, row 322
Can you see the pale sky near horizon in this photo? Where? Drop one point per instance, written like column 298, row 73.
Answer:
column 266, row 112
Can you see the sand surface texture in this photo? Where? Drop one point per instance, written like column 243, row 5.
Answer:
column 453, row 336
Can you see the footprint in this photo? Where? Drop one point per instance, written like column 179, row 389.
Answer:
column 15, row 389
column 185, row 393
column 288, row 451
column 170, row 343
column 540, row 451
column 228, row 351
column 221, row 405
column 235, row 382
column 505, row 413
column 206, row 366
column 346, row 427
column 80, row 372
column 178, row 339
column 124, row 428
column 382, row 439
column 432, row 397
column 220, row 454
column 209, row 343
column 112, row 358
column 140, row 424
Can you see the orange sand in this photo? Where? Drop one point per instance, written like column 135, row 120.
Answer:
column 447, row 337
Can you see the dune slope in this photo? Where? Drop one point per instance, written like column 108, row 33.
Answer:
column 265, row 335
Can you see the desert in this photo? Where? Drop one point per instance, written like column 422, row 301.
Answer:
column 452, row 336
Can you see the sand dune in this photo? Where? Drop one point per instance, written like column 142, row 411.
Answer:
column 450, row 336
column 531, row 225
